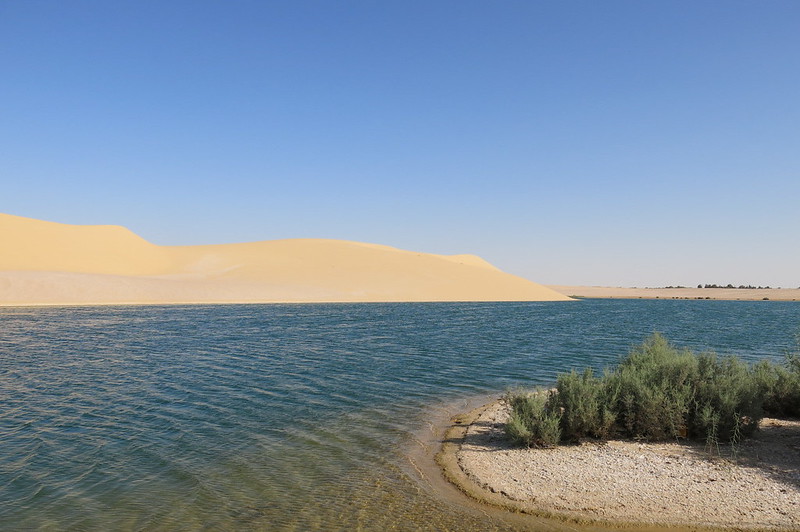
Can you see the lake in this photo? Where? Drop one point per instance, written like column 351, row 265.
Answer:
column 293, row 417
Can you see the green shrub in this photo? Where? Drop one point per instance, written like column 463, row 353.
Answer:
column 658, row 392
column 654, row 390
column 765, row 378
column 706, row 416
column 533, row 421
column 582, row 400
column 779, row 386
column 727, row 400
column 788, row 386
column 784, row 397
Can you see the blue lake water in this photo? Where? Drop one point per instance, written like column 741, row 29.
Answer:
column 291, row 417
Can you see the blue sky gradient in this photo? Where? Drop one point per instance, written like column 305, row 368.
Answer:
column 610, row 143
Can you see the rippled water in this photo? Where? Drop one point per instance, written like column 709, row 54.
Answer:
column 290, row 416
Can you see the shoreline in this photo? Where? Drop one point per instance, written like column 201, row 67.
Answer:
column 724, row 294
column 624, row 484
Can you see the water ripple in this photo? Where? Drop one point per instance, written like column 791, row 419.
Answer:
column 291, row 417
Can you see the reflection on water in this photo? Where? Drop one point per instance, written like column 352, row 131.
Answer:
column 291, row 417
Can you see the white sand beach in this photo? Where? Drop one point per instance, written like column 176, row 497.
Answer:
column 47, row 263
column 628, row 483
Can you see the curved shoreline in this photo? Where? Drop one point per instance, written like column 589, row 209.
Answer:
column 624, row 484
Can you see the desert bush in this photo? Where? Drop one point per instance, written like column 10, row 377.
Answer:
column 659, row 392
column 533, row 420
column 727, row 401
column 789, row 386
column 583, row 400
column 655, row 391
column 793, row 385
column 779, row 386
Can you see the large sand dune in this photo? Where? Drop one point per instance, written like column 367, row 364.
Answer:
column 50, row 263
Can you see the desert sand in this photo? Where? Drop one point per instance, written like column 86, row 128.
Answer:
column 608, row 292
column 47, row 263
column 646, row 485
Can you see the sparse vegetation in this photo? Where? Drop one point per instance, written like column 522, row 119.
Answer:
column 729, row 285
column 659, row 392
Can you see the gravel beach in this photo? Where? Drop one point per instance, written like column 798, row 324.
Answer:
column 624, row 482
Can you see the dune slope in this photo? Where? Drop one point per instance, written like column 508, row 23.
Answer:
column 50, row 263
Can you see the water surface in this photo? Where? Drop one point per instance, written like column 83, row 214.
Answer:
column 291, row 417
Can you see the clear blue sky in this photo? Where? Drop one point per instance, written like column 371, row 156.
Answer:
column 620, row 143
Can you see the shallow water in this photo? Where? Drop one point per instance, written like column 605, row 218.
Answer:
column 291, row 417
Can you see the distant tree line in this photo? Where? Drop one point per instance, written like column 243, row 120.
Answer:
column 741, row 286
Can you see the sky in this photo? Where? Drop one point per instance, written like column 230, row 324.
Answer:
column 619, row 143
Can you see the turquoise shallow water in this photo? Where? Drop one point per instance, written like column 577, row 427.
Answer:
column 290, row 417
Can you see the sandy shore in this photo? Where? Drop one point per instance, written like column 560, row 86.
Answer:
column 608, row 292
column 630, row 484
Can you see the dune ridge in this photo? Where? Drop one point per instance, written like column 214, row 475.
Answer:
column 48, row 263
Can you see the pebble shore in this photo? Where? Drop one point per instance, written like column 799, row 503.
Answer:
column 624, row 482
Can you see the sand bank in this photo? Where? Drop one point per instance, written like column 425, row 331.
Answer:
column 629, row 483
column 607, row 292
column 46, row 263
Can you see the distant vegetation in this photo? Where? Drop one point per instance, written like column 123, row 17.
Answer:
column 740, row 287
column 657, row 393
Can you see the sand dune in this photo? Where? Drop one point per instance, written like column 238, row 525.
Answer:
column 27, row 244
column 50, row 263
